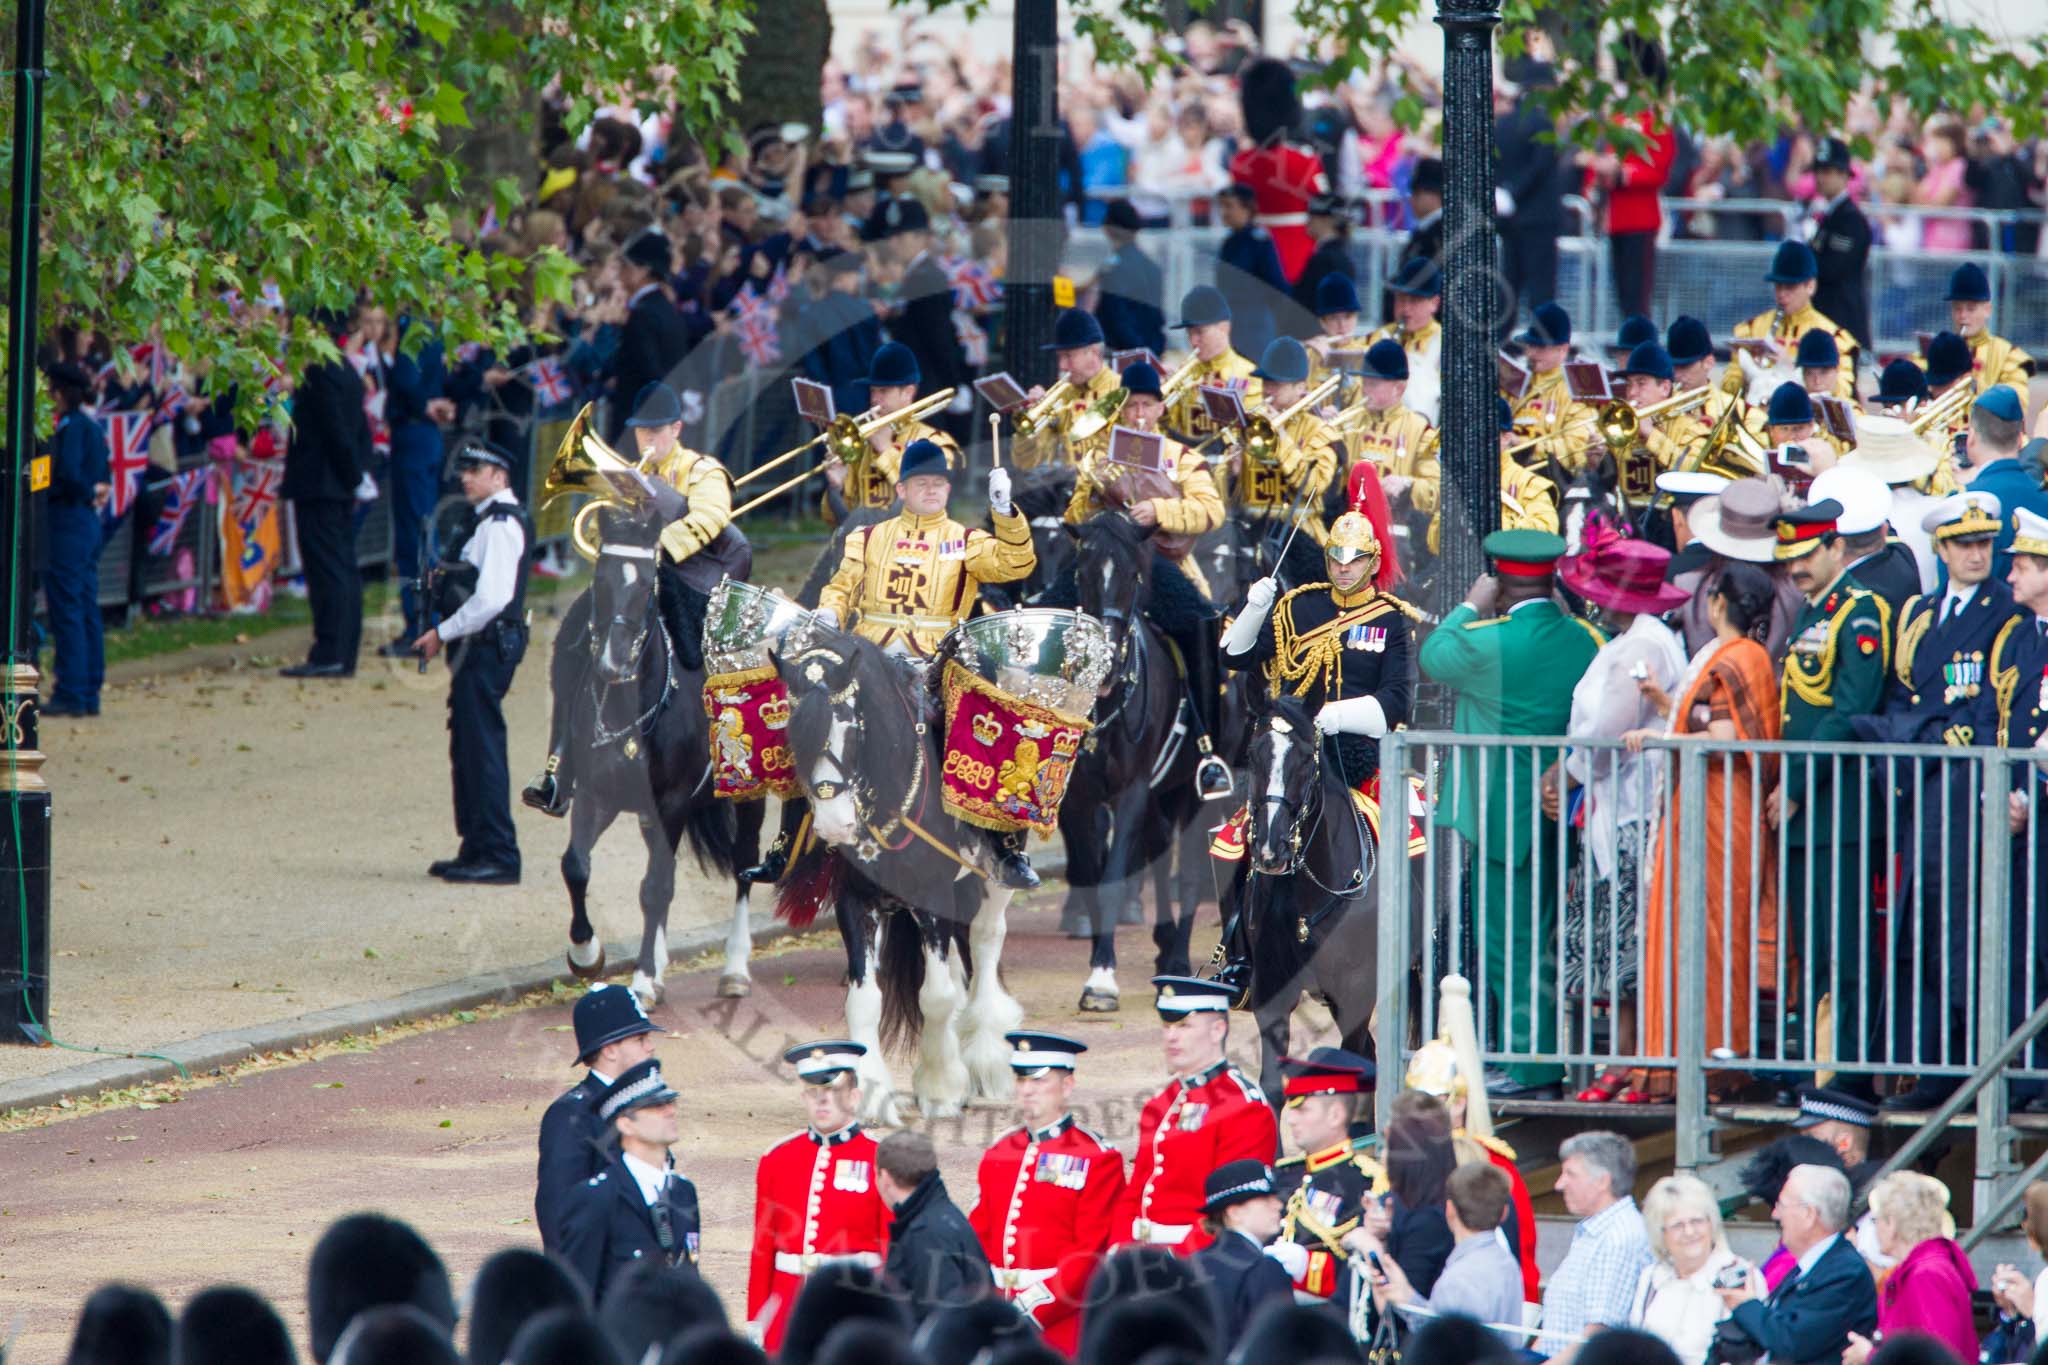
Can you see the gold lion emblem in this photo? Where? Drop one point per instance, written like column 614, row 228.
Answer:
column 1018, row 776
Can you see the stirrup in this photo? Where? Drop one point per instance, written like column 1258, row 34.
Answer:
column 1212, row 774
column 545, row 792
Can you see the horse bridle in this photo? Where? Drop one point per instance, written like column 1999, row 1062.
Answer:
column 1315, row 809
column 870, row 847
column 602, row 735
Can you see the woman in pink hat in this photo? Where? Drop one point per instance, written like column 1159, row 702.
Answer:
column 1624, row 689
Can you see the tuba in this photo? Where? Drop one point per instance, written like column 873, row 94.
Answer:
column 584, row 464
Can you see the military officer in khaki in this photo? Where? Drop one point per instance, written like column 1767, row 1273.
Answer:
column 1205, row 315
column 870, row 483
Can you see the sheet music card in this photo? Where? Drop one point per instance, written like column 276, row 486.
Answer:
column 1002, row 392
column 1137, row 449
column 814, row 402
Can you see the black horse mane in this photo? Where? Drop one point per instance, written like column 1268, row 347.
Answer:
column 1112, row 535
column 887, row 729
column 1044, row 490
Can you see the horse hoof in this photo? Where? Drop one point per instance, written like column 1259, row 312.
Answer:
column 939, row 1109
column 648, row 990
column 1099, row 1002
column 586, row 973
column 732, row 986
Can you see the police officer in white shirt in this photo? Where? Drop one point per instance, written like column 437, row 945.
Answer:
column 479, row 588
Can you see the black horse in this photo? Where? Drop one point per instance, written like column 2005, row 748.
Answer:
column 641, row 747
column 922, row 923
column 1304, row 888
column 1132, row 801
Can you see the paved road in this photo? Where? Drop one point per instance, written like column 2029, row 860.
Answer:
column 236, row 1181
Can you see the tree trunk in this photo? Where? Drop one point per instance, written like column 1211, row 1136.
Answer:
column 779, row 76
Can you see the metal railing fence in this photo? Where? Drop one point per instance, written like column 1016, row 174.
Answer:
column 1888, row 923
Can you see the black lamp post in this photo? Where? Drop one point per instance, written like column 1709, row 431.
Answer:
column 1035, row 226
column 1471, row 443
column 24, row 798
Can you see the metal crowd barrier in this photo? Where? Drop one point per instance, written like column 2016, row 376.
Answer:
column 1892, row 926
column 1716, row 280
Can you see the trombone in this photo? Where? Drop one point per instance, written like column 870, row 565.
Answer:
column 839, row 427
column 1262, row 433
column 846, row 440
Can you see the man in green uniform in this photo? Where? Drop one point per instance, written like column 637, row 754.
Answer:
column 1513, row 656
column 1834, row 671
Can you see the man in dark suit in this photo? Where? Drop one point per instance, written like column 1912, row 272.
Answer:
column 1841, row 243
column 924, row 313
column 934, row 1255
column 1530, row 182
column 1807, row 1319
column 638, row 1207
column 1131, row 306
column 613, row 1035
column 326, row 470
column 655, row 338
column 1241, row 1208
column 838, row 329
column 80, row 484
column 1329, row 223
column 1426, row 206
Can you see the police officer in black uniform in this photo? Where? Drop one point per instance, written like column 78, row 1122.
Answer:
column 2019, row 686
column 1325, row 1184
column 613, row 1035
column 1241, row 1209
column 638, row 1207
column 479, row 587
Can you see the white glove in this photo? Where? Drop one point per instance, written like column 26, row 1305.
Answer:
column 963, row 400
column 1243, row 633
column 366, row 491
column 827, row 616
column 1503, row 202
column 999, row 492
column 1358, row 716
column 1292, row 1256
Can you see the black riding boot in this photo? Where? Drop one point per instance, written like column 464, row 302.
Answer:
column 549, row 793
column 1203, row 659
column 775, row 862
column 1236, row 951
column 1013, row 863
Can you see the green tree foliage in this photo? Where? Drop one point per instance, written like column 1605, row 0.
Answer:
column 1740, row 67
column 199, row 150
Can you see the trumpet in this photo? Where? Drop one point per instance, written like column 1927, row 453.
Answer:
column 847, row 441
column 1035, row 418
column 1262, row 433
column 1939, row 412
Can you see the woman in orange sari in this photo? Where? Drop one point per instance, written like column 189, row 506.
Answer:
column 1730, row 693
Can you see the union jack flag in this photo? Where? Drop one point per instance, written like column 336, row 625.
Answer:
column 975, row 286
column 180, row 494
column 175, row 401
column 755, row 314
column 550, row 384
column 257, row 492
column 127, row 456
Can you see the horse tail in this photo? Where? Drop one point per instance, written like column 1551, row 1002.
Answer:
column 711, row 829
column 900, row 967
column 816, row 879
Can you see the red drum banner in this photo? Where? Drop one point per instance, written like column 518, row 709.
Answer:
column 749, row 715
column 1007, row 761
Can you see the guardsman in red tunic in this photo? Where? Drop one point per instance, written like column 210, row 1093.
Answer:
column 1048, row 1190
column 1208, row 1114
column 1283, row 175
column 814, row 1193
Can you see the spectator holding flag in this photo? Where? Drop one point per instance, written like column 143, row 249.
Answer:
column 79, row 487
